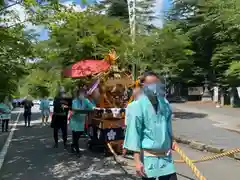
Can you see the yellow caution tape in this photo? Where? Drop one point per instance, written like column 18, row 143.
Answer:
column 208, row 158
column 189, row 162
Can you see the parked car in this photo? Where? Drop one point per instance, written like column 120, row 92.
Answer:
column 36, row 102
column 17, row 102
column 176, row 99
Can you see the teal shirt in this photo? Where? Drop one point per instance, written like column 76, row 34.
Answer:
column 78, row 120
column 93, row 102
column 7, row 109
column 45, row 104
column 128, row 111
column 148, row 129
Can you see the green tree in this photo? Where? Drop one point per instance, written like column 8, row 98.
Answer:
column 212, row 26
column 145, row 12
column 166, row 52
column 85, row 35
column 199, row 34
column 115, row 8
column 15, row 49
column 74, row 36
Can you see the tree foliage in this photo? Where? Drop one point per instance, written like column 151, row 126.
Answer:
column 199, row 39
column 115, row 8
column 213, row 27
column 74, row 36
column 144, row 12
column 15, row 49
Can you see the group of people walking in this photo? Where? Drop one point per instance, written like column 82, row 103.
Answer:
column 62, row 106
column 79, row 106
column 5, row 112
column 148, row 126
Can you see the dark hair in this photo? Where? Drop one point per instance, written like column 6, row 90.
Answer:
column 80, row 90
column 148, row 73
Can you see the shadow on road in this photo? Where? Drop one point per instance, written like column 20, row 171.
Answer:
column 31, row 157
column 188, row 115
column 4, row 135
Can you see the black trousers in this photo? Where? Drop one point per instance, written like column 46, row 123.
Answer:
column 168, row 177
column 60, row 122
column 63, row 128
column 75, row 139
column 27, row 119
column 5, row 124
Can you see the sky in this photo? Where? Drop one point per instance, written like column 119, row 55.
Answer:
column 161, row 6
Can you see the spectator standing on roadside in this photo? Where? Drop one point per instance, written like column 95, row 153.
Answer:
column 45, row 110
column 5, row 108
column 27, row 105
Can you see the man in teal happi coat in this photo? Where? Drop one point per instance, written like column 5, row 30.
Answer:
column 149, row 132
column 5, row 114
column 80, row 106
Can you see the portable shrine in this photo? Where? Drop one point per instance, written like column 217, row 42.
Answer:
column 106, row 124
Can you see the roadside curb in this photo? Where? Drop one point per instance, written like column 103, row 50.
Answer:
column 204, row 147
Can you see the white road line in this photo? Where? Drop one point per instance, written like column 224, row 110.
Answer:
column 3, row 153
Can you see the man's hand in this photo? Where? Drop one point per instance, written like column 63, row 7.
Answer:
column 140, row 169
column 173, row 146
column 139, row 165
column 64, row 106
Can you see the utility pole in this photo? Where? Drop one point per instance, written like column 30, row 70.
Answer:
column 132, row 24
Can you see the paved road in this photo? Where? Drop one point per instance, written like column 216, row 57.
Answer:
column 207, row 125
column 31, row 156
column 222, row 169
column 4, row 136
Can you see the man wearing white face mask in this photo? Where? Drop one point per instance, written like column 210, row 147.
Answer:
column 80, row 107
column 59, row 118
column 149, row 132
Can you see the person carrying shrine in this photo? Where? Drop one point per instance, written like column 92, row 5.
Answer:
column 149, row 131
column 80, row 107
column 59, row 118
